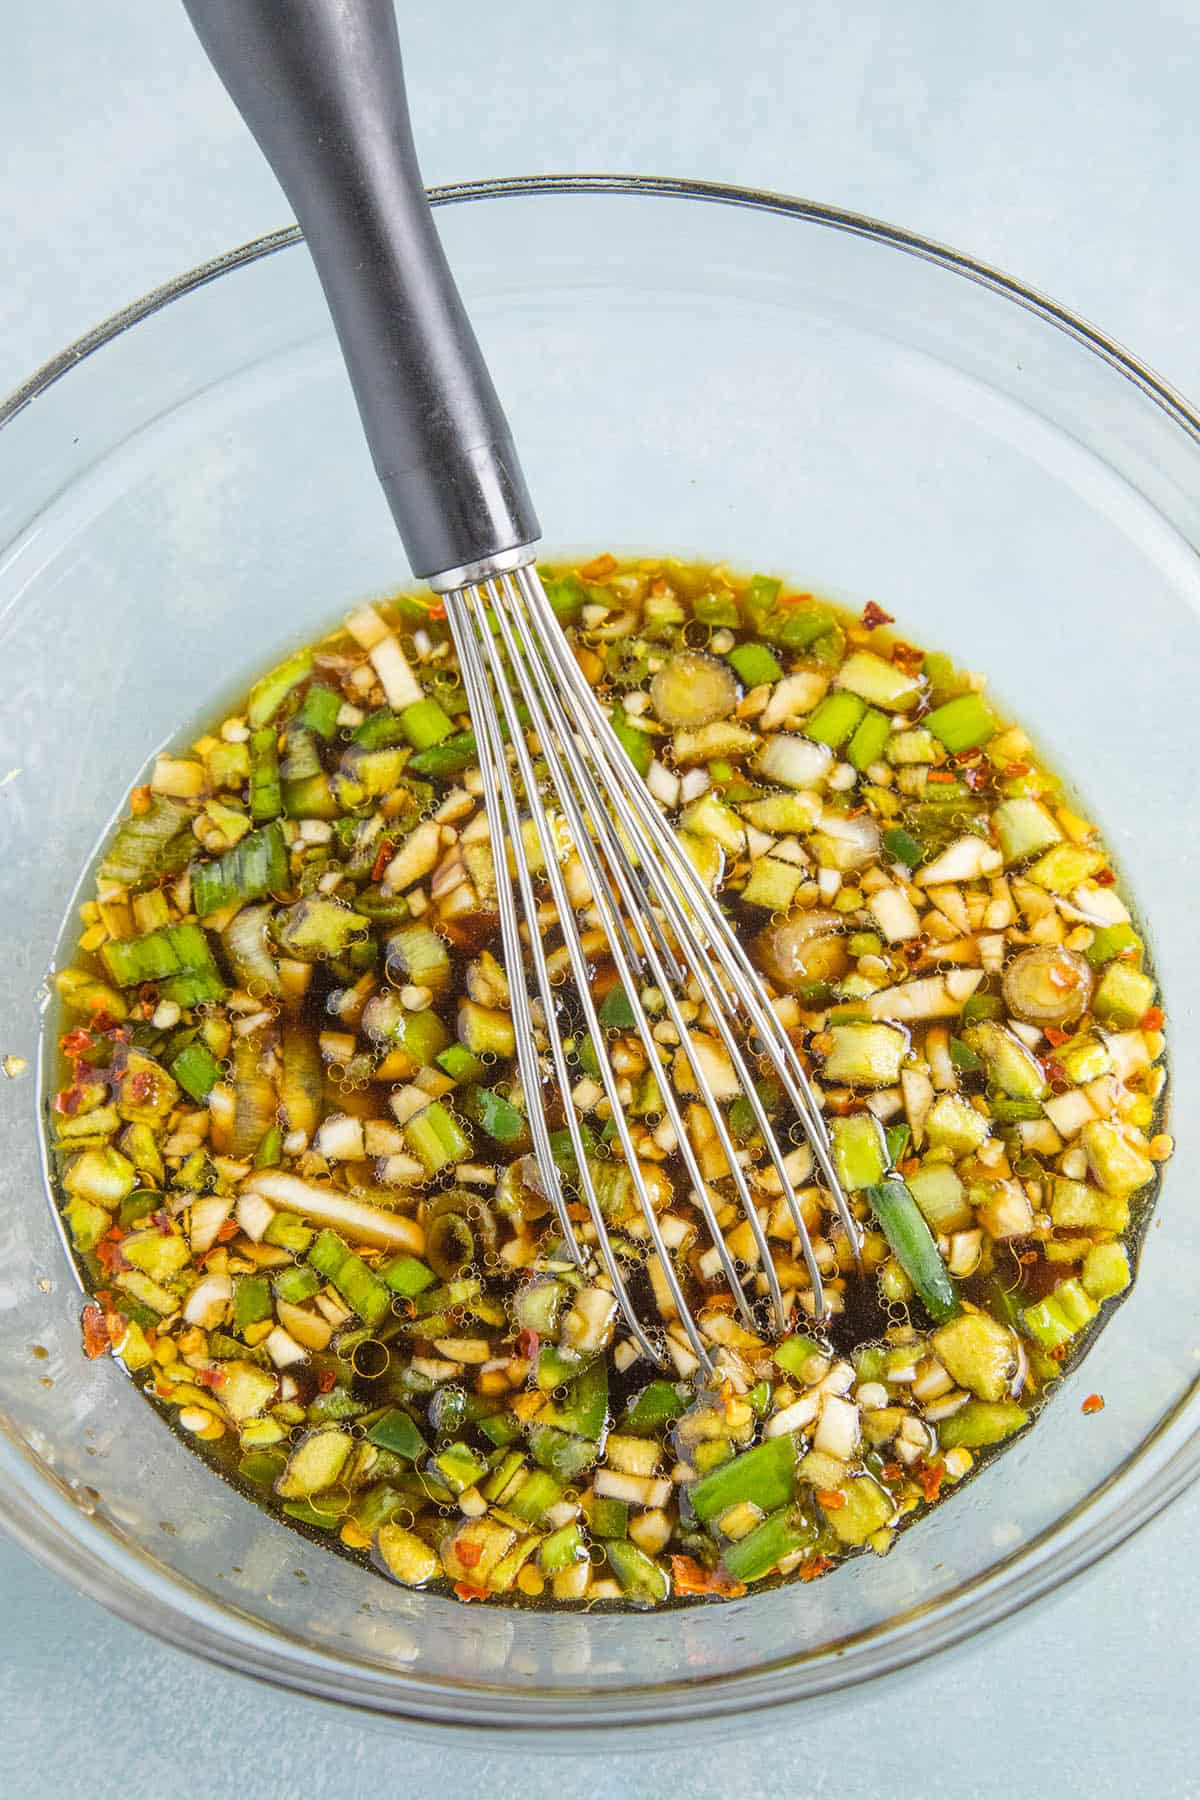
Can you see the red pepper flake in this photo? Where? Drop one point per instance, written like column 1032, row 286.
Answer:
column 1152, row 1019
column 465, row 1590
column 142, row 1086
column 930, row 1477
column 386, row 852
column 75, row 1044
column 326, row 1380
column 692, row 1577
column 599, row 568
column 1056, row 1036
column 210, row 1378
column 1104, row 878
column 1056, row 1075
column 832, row 1499
column 892, row 1471
column 794, row 599
column 228, row 1228
column 103, row 1021
column 1093, row 1404
column 437, row 609
column 976, row 777
column 908, row 657
column 527, row 1343
column 95, row 1332
column 1057, row 1353
column 1016, row 768
column 873, row 615
column 467, row 1553
column 814, row 1567
column 941, row 776
column 108, row 1255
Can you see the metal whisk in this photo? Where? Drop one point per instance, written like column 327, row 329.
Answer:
column 661, row 926
column 321, row 86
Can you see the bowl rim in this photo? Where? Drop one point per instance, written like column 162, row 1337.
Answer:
column 977, row 1604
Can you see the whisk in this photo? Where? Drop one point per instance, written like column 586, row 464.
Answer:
column 320, row 84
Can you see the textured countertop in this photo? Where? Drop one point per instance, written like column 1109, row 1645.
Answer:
column 1058, row 141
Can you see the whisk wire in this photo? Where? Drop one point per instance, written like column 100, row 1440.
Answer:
column 662, row 928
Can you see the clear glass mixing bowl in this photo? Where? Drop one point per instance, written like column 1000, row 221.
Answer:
column 721, row 374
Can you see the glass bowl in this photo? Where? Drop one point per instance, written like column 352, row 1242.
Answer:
column 717, row 373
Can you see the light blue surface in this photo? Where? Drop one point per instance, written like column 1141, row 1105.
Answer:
column 1058, row 141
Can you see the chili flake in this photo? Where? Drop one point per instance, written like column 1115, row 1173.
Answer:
column 814, row 1567
column 95, row 1333
column 930, row 1477
column 465, row 1590
column 386, row 852
column 1093, row 1404
column 692, row 1577
column 873, row 615
column 1152, row 1019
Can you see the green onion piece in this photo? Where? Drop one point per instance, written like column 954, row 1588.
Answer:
column 982, row 1006
column 425, row 724
column 637, row 745
column 964, row 1058
column 610, row 1519
column 251, row 1301
column 794, row 1352
column 297, row 1284
column 458, row 1062
column 407, row 1275
column 561, row 1549
column 753, row 664
column 756, row 1554
column 658, row 1404
column 459, row 1467
column 719, row 609
column 269, row 694
column 254, row 868
column 897, row 1138
column 568, row 596
column 641, row 1579
column 380, row 730
column 962, row 724
column 912, row 1244
column 266, row 793
column 902, row 846
column 766, row 1475
column 447, row 759
column 1109, row 941
column 196, row 1070
column 616, row 1013
column 396, row 1432
column 320, row 710
column 435, row 1137
column 150, row 844
column 494, row 1114
column 1015, row 1112
column 263, row 1467
column 835, row 719
column 584, row 1408
column 501, row 1428
column 870, row 735
column 177, row 957
column 270, row 1151
column 981, row 1422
